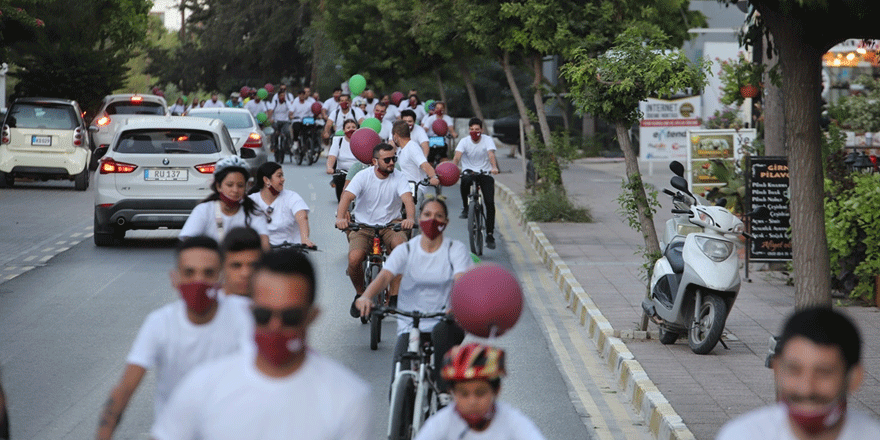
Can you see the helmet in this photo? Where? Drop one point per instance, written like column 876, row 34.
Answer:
column 359, row 101
column 473, row 361
column 230, row 162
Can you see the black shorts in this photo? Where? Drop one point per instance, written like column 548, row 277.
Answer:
column 437, row 153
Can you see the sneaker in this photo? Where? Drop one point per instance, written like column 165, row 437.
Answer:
column 444, row 399
column 490, row 241
column 353, row 311
column 463, row 214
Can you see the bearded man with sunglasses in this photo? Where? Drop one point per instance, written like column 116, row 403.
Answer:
column 202, row 325
column 379, row 193
column 284, row 389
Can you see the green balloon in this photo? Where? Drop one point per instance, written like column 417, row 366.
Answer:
column 339, row 133
column 262, row 117
column 262, row 93
column 185, row 99
column 357, row 84
column 428, row 105
column 373, row 123
column 475, row 258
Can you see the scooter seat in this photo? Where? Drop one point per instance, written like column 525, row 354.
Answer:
column 674, row 257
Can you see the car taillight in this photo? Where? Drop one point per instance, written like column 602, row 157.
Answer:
column 206, row 168
column 110, row 166
column 254, row 140
column 104, row 121
column 5, row 134
column 77, row 136
column 137, row 99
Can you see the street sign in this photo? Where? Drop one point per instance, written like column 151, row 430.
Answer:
column 767, row 185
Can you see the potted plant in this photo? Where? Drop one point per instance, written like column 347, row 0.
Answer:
column 740, row 79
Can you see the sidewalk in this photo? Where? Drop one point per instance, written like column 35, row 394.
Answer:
column 705, row 391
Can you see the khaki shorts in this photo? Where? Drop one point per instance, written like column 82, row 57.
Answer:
column 363, row 239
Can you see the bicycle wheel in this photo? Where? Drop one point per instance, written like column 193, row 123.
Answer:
column 402, row 411
column 376, row 320
column 279, row 152
column 314, row 149
column 472, row 226
column 299, row 154
column 481, row 218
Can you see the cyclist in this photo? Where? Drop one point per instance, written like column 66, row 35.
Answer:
column 227, row 206
column 412, row 160
column 416, row 132
column 429, row 263
column 302, row 108
column 477, row 153
column 234, row 100
column 282, row 90
column 439, row 113
column 257, row 105
column 241, row 250
column 475, row 371
column 287, row 215
column 379, row 113
column 414, row 104
column 370, row 96
column 340, row 156
column 345, row 112
column 379, row 192
column 361, row 103
column 332, row 102
column 392, row 112
column 282, row 112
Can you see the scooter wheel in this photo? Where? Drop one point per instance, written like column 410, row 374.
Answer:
column 706, row 331
column 668, row 337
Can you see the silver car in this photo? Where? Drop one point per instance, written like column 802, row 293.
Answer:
column 156, row 170
column 244, row 129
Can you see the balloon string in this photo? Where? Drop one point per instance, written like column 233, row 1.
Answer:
column 493, row 331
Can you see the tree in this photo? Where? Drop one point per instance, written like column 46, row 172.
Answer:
column 802, row 31
column 639, row 65
column 15, row 25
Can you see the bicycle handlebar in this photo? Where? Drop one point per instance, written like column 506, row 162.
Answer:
column 382, row 310
column 354, row 226
column 466, row 173
column 297, row 246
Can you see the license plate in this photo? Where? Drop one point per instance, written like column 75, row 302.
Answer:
column 165, row 174
column 41, row 141
column 436, row 141
column 308, row 121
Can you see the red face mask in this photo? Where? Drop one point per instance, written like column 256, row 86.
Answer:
column 815, row 422
column 348, row 133
column 229, row 202
column 198, row 296
column 345, row 105
column 477, row 422
column 274, row 191
column 475, row 136
column 276, row 347
column 379, row 116
column 439, row 113
column 432, row 228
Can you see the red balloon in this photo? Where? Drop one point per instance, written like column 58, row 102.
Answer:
column 487, row 300
column 316, row 108
column 245, row 91
column 440, row 127
column 269, row 87
column 362, row 143
column 448, row 173
column 396, row 97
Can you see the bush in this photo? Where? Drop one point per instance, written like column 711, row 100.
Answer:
column 551, row 206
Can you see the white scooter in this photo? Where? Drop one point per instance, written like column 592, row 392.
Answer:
column 696, row 281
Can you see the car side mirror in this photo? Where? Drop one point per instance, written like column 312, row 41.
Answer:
column 247, row 153
column 93, row 129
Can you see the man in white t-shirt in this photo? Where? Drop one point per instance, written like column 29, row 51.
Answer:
column 392, row 112
column 344, row 112
column 332, row 102
column 439, row 113
column 257, row 106
column 281, row 389
column 282, row 91
column 477, row 153
column 201, row 326
column 370, row 96
column 416, row 132
column 379, row 113
column 241, row 249
column 816, row 365
column 302, row 108
column 413, row 103
column 412, row 160
column 379, row 193
column 214, row 102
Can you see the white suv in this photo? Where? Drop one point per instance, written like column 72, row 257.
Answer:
column 44, row 138
column 155, row 171
column 115, row 110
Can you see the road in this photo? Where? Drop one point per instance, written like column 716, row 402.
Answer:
column 69, row 312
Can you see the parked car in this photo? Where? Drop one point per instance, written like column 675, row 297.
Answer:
column 115, row 109
column 156, row 170
column 45, row 138
column 244, row 129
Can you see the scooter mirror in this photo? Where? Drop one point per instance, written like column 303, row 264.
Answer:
column 760, row 213
column 677, row 168
column 680, row 184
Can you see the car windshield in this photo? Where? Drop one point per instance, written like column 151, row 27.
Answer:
column 167, row 142
column 56, row 117
column 135, row 108
column 232, row 120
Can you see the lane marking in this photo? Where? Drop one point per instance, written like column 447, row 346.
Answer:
column 31, row 258
column 46, row 258
column 48, row 249
column 60, row 242
column 76, row 234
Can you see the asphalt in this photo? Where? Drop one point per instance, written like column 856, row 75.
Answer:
column 677, row 393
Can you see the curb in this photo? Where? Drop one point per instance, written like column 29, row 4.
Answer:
column 647, row 400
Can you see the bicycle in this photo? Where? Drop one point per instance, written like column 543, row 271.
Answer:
column 297, row 246
column 414, row 394
column 476, row 214
column 282, row 141
column 372, row 266
column 414, row 187
column 309, row 140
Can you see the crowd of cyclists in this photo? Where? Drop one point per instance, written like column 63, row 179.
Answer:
column 231, row 356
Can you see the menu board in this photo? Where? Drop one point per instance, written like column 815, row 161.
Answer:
column 767, row 185
column 705, row 146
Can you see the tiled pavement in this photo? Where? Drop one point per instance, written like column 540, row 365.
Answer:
column 705, row 391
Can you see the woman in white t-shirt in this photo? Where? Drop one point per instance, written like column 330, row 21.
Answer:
column 340, row 157
column 227, row 207
column 430, row 264
column 287, row 215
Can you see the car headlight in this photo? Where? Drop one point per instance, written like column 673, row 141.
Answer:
column 716, row 250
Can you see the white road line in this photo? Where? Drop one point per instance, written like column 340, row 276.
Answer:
column 48, row 249
column 76, row 234
column 46, row 258
column 31, row 258
column 60, row 242
column 9, row 277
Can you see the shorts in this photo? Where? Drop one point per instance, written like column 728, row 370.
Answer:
column 437, row 153
column 363, row 239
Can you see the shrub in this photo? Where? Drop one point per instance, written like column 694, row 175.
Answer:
column 545, row 205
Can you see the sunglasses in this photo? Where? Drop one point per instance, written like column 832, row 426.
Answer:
column 269, row 212
column 291, row 317
column 389, row 159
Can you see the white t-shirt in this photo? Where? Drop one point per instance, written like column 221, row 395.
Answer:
column 341, row 148
column 288, row 96
column 427, row 277
column 771, row 423
column 179, row 109
column 206, row 219
column 428, row 124
column 475, row 157
column 385, row 132
column 377, row 201
column 418, row 135
column 507, row 424
column 230, row 399
column 283, row 226
column 169, row 343
column 419, row 110
column 392, row 113
column 281, row 111
column 330, row 105
column 339, row 118
column 411, row 158
column 302, row 109
column 211, row 104
column 256, row 107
